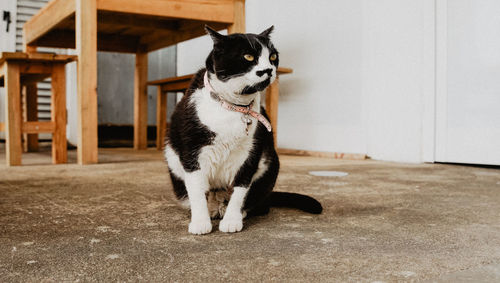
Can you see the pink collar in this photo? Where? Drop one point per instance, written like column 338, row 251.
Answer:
column 233, row 107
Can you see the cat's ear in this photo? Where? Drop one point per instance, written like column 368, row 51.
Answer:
column 267, row 32
column 216, row 37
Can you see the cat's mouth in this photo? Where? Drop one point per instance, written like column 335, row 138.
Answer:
column 256, row 87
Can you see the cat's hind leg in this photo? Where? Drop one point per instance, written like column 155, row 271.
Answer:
column 217, row 200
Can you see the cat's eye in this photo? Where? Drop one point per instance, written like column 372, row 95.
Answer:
column 248, row 57
column 273, row 57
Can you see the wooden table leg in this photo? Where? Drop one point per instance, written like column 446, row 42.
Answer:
column 86, row 46
column 31, row 115
column 141, row 101
column 161, row 118
column 31, row 106
column 13, row 114
column 239, row 18
column 272, row 98
column 58, row 115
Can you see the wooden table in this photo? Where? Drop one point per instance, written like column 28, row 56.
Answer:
column 131, row 26
column 19, row 69
column 180, row 84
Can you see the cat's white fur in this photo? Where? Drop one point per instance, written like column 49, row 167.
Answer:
column 221, row 161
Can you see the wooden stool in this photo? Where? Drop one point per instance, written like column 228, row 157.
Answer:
column 19, row 69
column 180, row 84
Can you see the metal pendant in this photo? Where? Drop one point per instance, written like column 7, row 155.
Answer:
column 247, row 121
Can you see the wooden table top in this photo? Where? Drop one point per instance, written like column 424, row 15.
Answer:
column 281, row 70
column 39, row 57
column 130, row 25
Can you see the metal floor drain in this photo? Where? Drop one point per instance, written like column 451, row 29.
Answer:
column 328, row 173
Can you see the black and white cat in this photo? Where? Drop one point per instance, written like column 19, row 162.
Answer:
column 220, row 149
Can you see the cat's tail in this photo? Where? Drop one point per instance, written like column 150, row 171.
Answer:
column 293, row 200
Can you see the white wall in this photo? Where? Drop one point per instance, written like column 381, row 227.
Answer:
column 398, row 74
column 360, row 73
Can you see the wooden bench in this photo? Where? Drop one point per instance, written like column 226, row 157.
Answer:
column 180, row 84
column 19, row 69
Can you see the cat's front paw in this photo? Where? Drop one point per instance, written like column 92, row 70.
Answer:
column 231, row 225
column 200, row 227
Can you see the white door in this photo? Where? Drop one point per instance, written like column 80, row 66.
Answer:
column 468, row 82
column 8, row 25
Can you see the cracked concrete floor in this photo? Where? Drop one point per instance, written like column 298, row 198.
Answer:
column 117, row 221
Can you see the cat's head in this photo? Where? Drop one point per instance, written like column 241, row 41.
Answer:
column 241, row 65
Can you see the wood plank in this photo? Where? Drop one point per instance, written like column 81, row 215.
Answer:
column 86, row 46
column 38, row 127
column 272, row 98
column 140, row 101
column 2, row 70
column 28, row 48
column 175, row 86
column 161, row 118
column 189, row 77
column 35, row 57
column 33, row 68
column 13, row 112
column 284, row 70
column 159, row 39
column 172, row 79
column 31, row 115
column 238, row 25
column 58, row 115
column 203, row 10
column 33, row 78
column 336, row 155
column 52, row 14
column 142, row 22
column 2, row 127
column 105, row 41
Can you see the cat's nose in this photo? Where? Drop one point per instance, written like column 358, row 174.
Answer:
column 269, row 72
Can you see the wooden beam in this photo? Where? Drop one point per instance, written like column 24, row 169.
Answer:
column 28, row 48
column 35, row 57
column 175, row 87
column 189, row 77
column 13, row 112
column 121, row 20
column 161, row 118
column 203, row 10
column 58, row 115
column 34, row 68
column 188, row 30
column 172, row 79
column 284, row 70
column 38, row 127
column 86, row 46
column 141, row 101
column 31, row 115
column 272, row 98
column 33, row 78
column 105, row 42
column 53, row 13
column 238, row 24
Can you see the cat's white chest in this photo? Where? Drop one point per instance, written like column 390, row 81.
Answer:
column 232, row 144
column 228, row 125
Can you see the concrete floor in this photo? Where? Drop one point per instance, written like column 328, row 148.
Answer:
column 117, row 221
